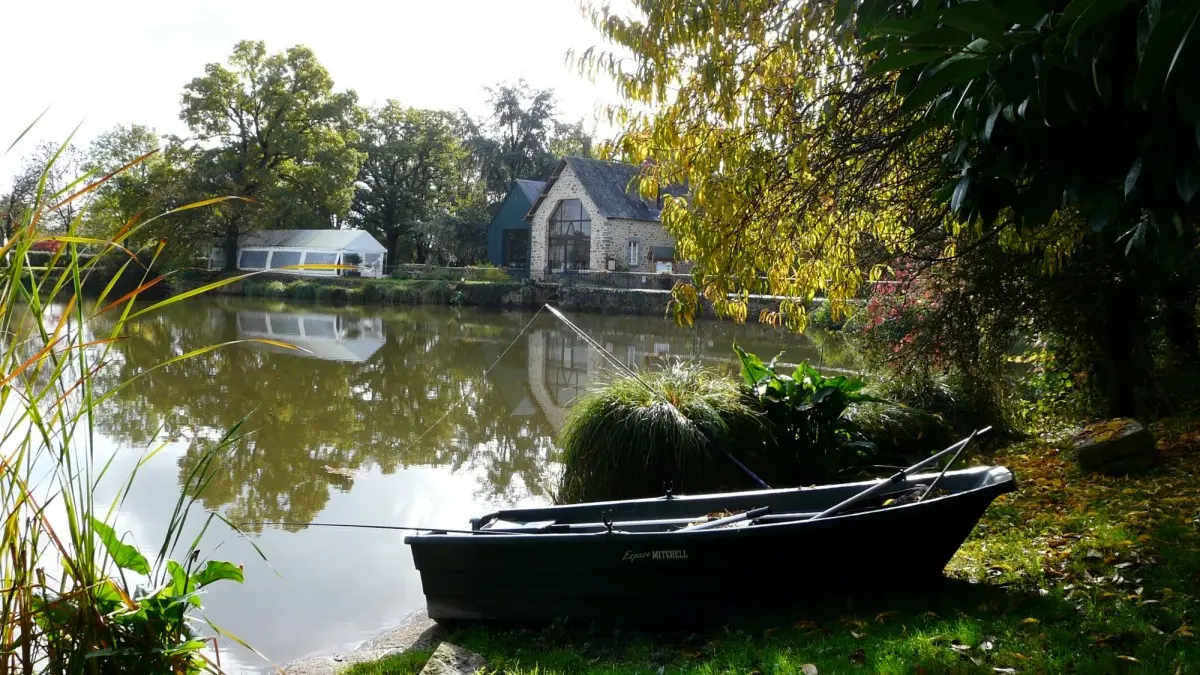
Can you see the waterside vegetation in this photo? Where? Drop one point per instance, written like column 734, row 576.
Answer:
column 77, row 596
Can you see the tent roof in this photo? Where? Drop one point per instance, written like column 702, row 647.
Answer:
column 354, row 240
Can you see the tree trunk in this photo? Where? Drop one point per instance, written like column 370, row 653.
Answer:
column 393, row 246
column 230, row 246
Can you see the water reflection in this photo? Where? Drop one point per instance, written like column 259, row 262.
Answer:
column 386, row 417
column 333, row 337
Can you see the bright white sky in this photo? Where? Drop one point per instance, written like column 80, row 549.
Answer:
column 122, row 61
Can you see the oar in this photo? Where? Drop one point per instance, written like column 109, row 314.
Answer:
column 946, row 468
column 728, row 520
column 899, row 476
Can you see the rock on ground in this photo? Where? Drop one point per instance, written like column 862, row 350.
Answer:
column 417, row 631
column 451, row 659
column 1115, row 447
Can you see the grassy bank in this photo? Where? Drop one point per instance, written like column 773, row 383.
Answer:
column 342, row 291
column 1070, row 574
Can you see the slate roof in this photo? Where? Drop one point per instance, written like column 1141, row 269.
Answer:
column 611, row 187
column 531, row 188
column 355, row 240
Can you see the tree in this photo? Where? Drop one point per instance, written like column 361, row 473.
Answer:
column 130, row 192
column 410, row 174
column 271, row 129
column 801, row 176
column 1076, row 131
column 59, row 167
column 522, row 138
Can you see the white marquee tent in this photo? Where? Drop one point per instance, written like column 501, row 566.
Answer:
column 272, row 249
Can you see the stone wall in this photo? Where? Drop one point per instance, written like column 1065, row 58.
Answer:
column 638, row 302
column 616, row 237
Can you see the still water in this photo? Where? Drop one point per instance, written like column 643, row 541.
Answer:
column 384, row 416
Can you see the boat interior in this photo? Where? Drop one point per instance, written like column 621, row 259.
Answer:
column 679, row 513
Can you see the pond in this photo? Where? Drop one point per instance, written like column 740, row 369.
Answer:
column 383, row 416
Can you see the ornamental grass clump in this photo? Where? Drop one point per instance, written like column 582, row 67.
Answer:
column 626, row 440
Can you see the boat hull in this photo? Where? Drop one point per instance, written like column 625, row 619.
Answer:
column 672, row 577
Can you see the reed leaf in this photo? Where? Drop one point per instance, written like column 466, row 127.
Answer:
column 66, row 604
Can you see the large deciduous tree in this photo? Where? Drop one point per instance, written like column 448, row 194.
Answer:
column 271, row 128
column 821, row 141
column 522, row 137
column 410, row 175
column 801, row 176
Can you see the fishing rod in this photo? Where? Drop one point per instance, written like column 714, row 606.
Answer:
column 632, row 373
column 443, row 530
column 901, row 476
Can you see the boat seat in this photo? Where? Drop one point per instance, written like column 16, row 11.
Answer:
column 507, row 525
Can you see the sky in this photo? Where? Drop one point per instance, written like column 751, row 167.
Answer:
column 125, row 61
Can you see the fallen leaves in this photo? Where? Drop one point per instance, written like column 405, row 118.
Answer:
column 884, row 616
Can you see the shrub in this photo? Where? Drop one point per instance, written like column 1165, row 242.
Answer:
column 304, row 290
column 488, row 273
column 375, row 292
column 323, row 293
column 352, row 259
column 896, row 433
column 812, row 439
column 627, row 440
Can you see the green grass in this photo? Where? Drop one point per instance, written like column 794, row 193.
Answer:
column 407, row 663
column 1089, row 575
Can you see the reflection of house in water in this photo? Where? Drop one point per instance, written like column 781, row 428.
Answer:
column 562, row 365
column 333, row 337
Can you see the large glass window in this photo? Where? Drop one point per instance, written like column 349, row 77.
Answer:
column 570, row 237
column 515, row 248
column 320, row 257
column 285, row 258
column 253, row 260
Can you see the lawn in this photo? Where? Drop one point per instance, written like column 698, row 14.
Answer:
column 1070, row 574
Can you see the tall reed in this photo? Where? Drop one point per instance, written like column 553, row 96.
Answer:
column 75, row 597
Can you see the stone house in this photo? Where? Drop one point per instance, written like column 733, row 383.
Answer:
column 589, row 216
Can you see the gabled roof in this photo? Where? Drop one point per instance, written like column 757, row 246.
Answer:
column 610, row 185
column 354, row 240
column 531, row 188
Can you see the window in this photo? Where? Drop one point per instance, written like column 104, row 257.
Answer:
column 320, row 257
column 253, row 260
column 285, row 324
column 570, row 236
column 635, row 253
column 514, row 248
column 284, row 258
column 319, row 326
